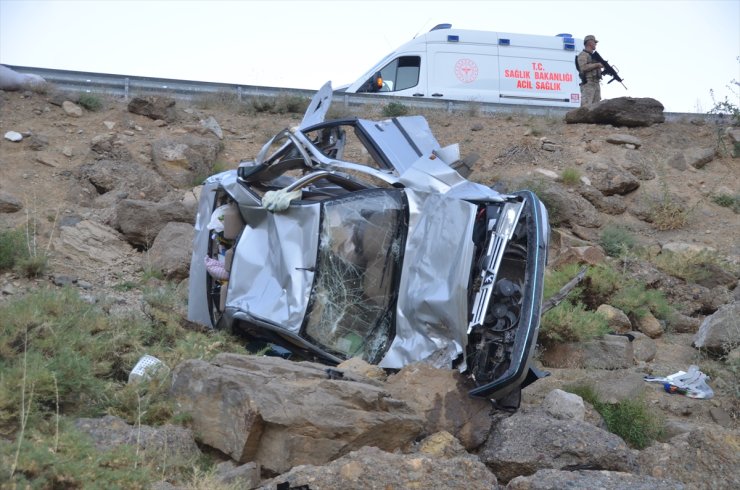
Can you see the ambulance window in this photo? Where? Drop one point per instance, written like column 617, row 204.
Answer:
column 400, row 74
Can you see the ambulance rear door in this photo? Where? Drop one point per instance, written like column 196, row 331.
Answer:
column 538, row 70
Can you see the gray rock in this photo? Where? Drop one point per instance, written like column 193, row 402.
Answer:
column 699, row 157
column 591, row 255
column 606, row 204
column 616, row 318
column 114, row 177
column 245, row 476
column 72, row 109
column 644, row 347
column 89, row 241
column 562, row 405
column 525, row 443
column 591, row 480
column 649, row 325
column 678, row 322
column 719, row 333
column 181, row 161
column 154, row 107
column 614, row 180
column 624, row 139
column 566, row 207
column 172, row 250
column 9, row 203
column 141, row 221
column 211, row 124
column 621, row 111
column 372, row 468
column 720, row 417
column 705, row 458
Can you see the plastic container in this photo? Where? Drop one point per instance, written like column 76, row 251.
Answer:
column 147, row 367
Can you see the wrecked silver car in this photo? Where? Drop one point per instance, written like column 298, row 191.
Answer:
column 357, row 238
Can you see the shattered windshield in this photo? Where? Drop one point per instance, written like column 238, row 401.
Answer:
column 360, row 253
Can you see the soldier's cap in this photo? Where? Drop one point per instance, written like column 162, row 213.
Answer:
column 588, row 38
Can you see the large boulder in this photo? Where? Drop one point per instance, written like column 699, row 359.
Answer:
column 704, row 458
column 154, row 107
column 122, row 180
column 141, row 221
column 184, row 160
column 441, row 397
column 370, row 468
column 622, row 111
column 281, row 414
column 525, row 443
column 171, row 251
column 719, row 333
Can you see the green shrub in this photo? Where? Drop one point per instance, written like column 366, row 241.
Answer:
column 12, row 248
column 395, row 109
column 575, row 318
column 569, row 322
column 90, row 102
column 262, row 104
column 63, row 358
column 68, row 459
column 726, row 106
column 555, row 279
column 616, row 240
column 693, row 266
column 291, row 104
column 727, row 201
column 632, row 420
column 636, row 301
column 571, row 176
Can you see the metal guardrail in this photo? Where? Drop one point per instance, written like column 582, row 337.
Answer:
column 127, row 86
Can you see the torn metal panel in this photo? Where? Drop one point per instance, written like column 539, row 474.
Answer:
column 272, row 272
column 432, row 304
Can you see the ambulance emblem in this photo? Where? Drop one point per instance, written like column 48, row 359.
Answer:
column 466, row 70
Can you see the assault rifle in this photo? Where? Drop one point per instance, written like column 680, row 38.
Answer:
column 608, row 69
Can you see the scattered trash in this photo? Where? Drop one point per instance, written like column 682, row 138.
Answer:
column 147, row 367
column 692, row 384
column 13, row 136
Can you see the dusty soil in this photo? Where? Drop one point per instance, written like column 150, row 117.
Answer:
column 510, row 146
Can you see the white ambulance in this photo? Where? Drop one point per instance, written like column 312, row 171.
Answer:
column 481, row 66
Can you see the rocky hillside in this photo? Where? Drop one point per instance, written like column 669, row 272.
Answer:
column 110, row 195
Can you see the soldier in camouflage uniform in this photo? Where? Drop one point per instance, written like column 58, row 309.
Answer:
column 590, row 73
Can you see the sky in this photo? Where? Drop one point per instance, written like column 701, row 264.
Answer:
column 675, row 51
